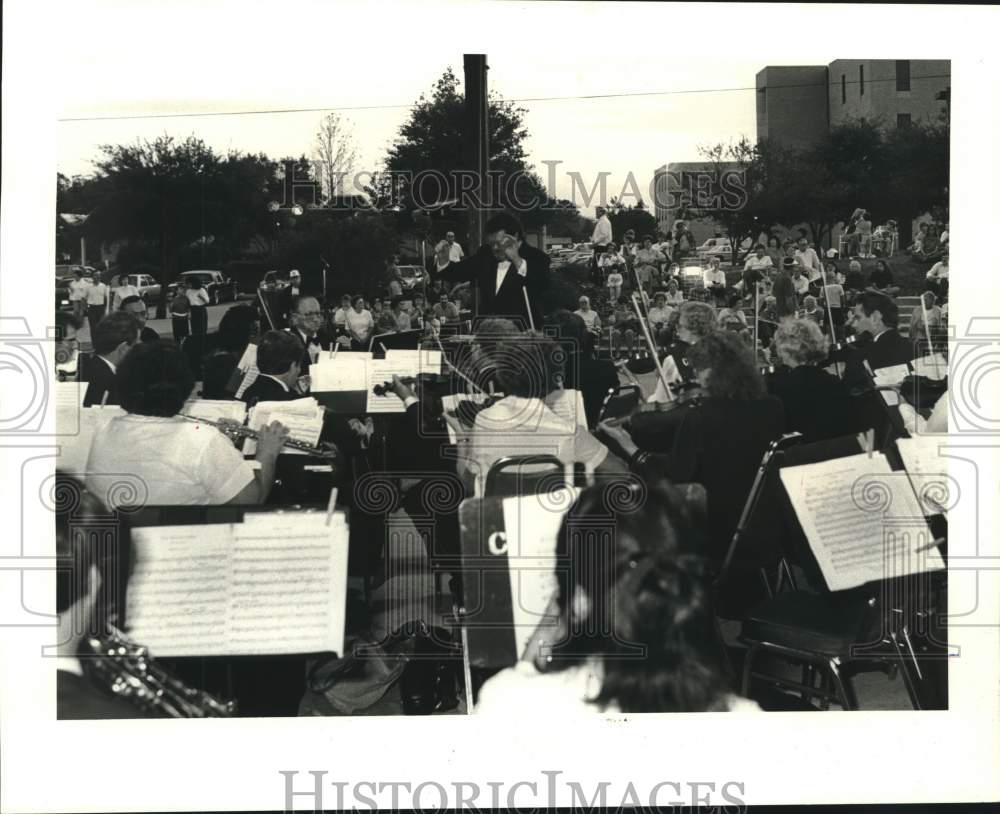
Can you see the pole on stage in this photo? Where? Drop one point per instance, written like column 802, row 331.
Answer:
column 652, row 347
column 927, row 331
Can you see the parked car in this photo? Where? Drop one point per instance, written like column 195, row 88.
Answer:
column 412, row 277
column 274, row 281
column 219, row 287
column 722, row 248
column 149, row 289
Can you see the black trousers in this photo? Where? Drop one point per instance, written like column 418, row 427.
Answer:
column 199, row 319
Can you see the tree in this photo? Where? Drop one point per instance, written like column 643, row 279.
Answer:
column 738, row 189
column 625, row 218
column 169, row 194
column 430, row 150
column 335, row 153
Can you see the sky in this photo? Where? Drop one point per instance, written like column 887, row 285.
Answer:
column 152, row 59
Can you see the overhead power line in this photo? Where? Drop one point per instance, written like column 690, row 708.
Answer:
column 591, row 96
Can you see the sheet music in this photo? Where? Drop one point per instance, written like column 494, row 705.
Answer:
column 68, row 395
column 933, row 367
column 837, row 503
column 249, row 359
column 890, row 376
column 270, row 586
column 248, row 379
column 215, row 409
column 532, row 526
column 303, row 417
column 381, row 371
column 74, row 445
column 420, row 361
column 928, row 471
column 344, row 372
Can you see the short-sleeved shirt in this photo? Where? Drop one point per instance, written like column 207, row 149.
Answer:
column 717, row 277
column 360, row 324
column 78, row 289
column 97, row 294
column 197, row 296
column 834, row 295
column 164, row 462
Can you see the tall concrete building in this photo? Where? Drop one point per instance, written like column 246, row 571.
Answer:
column 797, row 104
column 791, row 104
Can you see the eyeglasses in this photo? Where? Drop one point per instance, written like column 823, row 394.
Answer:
column 310, row 313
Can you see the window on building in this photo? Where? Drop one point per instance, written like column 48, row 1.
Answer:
column 762, row 99
column 861, row 79
column 903, row 120
column 843, row 88
column 902, row 74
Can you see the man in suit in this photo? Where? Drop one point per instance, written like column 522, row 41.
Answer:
column 87, row 562
column 279, row 362
column 306, row 318
column 113, row 337
column 137, row 307
column 878, row 316
column 501, row 271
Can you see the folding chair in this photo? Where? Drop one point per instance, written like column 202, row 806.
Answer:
column 525, row 475
column 828, row 634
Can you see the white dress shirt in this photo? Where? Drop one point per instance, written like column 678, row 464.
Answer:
column 602, row 232
column 504, row 266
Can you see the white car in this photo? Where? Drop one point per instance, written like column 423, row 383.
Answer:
column 722, row 248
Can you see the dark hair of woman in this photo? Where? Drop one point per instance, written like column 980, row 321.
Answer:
column 730, row 365
column 635, row 592
column 236, row 328
column 154, row 379
column 194, row 281
column 529, row 365
column 881, row 265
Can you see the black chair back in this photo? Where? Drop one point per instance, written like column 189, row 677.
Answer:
column 525, row 475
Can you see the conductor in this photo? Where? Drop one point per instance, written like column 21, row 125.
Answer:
column 501, row 271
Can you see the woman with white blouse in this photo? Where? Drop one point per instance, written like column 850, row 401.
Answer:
column 360, row 324
column 198, row 297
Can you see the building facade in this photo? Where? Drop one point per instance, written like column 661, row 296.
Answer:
column 798, row 104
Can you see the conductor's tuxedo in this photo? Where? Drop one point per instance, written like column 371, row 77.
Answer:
column 499, row 288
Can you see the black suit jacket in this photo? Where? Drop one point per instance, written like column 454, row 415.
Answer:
column 267, row 389
column 148, row 335
column 888, row 349
column 100, row 379
column 720, row 445
column 321, row 338
column 77, row 699
column 481, row 270
column 817, row 404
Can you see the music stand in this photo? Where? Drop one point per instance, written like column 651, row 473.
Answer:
column 399, row 340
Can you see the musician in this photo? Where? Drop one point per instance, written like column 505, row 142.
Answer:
column 136, row 306
column 816, row 403
column 695, row 321
column 502, row 270
column 592, row 377
column 719, row 443
column 306, row 319
column 166, row 459
column 522, row 423
column 279, row 362
column 67, row 326
column 878, row 316
column 89, row 570
column 238, row 326
column 635, row 631
column 113, row 337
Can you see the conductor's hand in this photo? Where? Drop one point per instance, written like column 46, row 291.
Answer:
column 510, row 250
column 402, row 391
column 271, row 438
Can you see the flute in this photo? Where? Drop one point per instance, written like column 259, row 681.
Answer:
column 237, row 431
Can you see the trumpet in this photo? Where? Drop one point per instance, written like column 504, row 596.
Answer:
column 238, row 431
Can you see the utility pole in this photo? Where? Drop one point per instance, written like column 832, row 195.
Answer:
column 477, row 144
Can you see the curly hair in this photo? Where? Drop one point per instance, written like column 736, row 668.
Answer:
column 800, row 342
column 530, row 365
column 646, row 585
column 732, row 370
column 698, row 317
